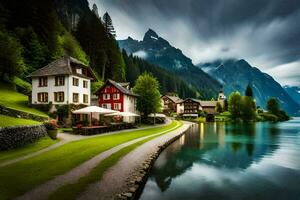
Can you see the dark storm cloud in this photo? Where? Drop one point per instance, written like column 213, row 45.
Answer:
column 264, row 32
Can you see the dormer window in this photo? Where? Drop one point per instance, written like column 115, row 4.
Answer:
column 78, row 70
column 43, row 81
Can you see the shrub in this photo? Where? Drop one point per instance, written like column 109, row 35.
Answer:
column 268, row 117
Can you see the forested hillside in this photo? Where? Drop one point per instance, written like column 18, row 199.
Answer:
column 169, row 82
column 34, row 33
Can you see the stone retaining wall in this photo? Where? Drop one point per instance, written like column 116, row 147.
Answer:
column 137, row 181
column 12, row 137
column 19, row 114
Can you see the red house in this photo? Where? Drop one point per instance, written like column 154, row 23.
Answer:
column 117, row 96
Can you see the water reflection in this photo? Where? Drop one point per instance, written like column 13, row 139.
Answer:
column 229, row 161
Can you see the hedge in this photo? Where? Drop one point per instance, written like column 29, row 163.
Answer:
column 13, row 137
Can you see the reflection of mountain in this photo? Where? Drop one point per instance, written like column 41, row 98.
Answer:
column 218, row 145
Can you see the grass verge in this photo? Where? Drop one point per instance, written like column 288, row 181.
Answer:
column 25, row 150
column 6, row 121
column 20, row 177
column 71, row 191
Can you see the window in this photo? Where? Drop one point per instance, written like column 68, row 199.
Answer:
column 116, row 96
column 59, row 96
column 59, row 80
column 85, row 84
column 43, row 97
column 43, row 81
column 75, row 97
column 106, row 96
column 75, row 81
column 79, row 71
column 117, row 106
column 85, row 98
column 106, row 105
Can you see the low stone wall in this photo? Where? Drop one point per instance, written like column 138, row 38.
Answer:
column 19, row 114
column 12, row 137
column 137, row 181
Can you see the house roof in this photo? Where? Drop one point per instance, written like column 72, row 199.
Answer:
column 202, row 103
column 63, row 66
column 175, row 99
column 119, row 87
column 196, row 100
column 208, row 103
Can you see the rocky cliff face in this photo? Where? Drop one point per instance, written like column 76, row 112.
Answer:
column 235, row 75
column 158, row 51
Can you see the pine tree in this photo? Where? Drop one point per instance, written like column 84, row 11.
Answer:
column 249, row 91
column 108, row 25
column 95, row 10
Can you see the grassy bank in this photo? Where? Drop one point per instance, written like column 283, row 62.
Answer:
column 25, row 150
column 14, row 100
column 34, row 171
column 6, row 121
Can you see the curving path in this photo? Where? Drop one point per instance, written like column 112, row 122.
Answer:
column 114, row 180
column 66, row 138
column 44, row 190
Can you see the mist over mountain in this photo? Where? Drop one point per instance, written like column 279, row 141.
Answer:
column 159, row 51
column 294, row 92
column 235, row 75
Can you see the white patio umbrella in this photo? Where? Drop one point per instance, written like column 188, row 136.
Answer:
column 93, row 109
column 123, row 114
column 156, row 115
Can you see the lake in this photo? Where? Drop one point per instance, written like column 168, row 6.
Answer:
column 230, row 161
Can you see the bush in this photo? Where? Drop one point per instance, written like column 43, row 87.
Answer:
column 51, row 129
column 268, row 117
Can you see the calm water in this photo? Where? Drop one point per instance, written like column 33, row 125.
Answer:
column 224, row 161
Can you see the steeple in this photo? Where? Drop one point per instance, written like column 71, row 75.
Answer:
column 221, row 96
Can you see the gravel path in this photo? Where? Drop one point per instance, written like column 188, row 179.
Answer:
column 66, row 138
column 114, row 181
column 44, row 190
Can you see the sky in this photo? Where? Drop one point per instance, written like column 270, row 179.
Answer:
column 266, row 33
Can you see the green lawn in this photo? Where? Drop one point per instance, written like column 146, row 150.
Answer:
column 25, row 150
column 11, row 121
column 12, row 99
column 71, row 191
column 34, row 171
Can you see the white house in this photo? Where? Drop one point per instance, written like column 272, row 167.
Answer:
column 64, row 81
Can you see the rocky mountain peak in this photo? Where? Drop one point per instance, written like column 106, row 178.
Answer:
column 150, row 35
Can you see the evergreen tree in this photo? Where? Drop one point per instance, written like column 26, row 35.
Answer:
column 95, row 10
column 11, row 61
column 148, row 88
column 249, row 91
column 273, row 106
column 219, row 108
column 108, row 25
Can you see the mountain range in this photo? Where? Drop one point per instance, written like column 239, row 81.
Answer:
column 231, row 74
column 235, row 75
column 158, row 51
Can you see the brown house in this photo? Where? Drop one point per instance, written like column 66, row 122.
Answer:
column 169, row 103
column 191, row 107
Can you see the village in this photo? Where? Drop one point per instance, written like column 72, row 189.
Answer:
column 67, row 81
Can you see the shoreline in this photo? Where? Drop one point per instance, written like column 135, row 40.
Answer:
column 137, row 180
